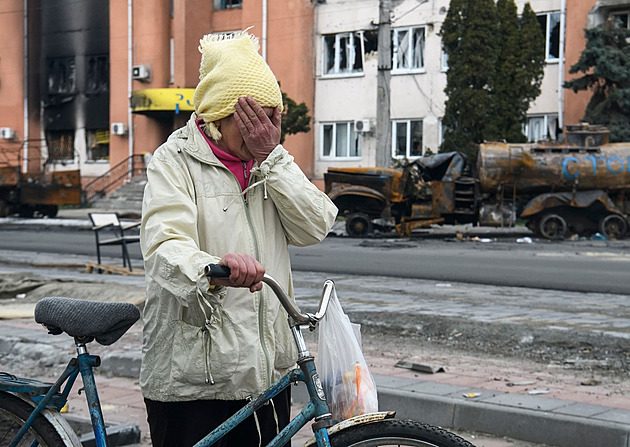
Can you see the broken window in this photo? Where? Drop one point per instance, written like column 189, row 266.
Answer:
column 60, row 145
column 98, row 144
column 406, row 138
column 339, row 140
column 550, row 24
column 62, row 76
column 97, row 74
column 342, row 53
column 621, row 19
column 408, row 48
column 227, row 4
column 370, row 41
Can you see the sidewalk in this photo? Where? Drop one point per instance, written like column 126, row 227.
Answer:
column 435, row 399
column 470, row 399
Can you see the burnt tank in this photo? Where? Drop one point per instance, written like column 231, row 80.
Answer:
column 586, row 161
column 578, row 186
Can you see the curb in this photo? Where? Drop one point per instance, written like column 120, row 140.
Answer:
column 528, row 418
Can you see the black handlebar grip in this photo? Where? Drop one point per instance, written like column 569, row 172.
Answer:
column 217, row 271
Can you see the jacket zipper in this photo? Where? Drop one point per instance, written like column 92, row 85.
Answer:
column 246, row 179
column 261, row 302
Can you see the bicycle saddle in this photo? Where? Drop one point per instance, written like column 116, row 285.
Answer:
column 105, row 322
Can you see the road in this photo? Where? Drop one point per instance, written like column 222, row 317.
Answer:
column 579, row 266
column 439, row 316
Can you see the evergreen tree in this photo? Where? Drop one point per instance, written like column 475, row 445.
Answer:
column 505, row 89
column 605, row 63
column 489, row 42
column 520, row 69
column 295, row 117
column 469, row 38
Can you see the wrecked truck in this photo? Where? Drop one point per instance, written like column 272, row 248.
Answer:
column 28, row 194
column 578, row 186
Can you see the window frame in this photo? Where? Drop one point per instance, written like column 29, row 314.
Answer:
column 411, row 56
column 408, row 138
column 548, row 34
column 350, row 133
column 60, row 146
column 61, row 76
column 97, row 145
column 97, row 74
column 617, row 14
column 546, row 121
column 220, row 5
column 336, row 70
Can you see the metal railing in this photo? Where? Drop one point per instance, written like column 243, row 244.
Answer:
column 101, row 186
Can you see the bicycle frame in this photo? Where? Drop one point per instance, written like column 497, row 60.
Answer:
column 45, row 395
column 316, row 407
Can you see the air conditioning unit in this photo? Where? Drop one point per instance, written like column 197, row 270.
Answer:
column 119, row 129
column 141, row 73
column 7, row 133
column 362, row 126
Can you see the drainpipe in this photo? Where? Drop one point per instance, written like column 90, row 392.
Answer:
column 563, row 15
column 264, row 30
column 129, row 80
column 25, row 89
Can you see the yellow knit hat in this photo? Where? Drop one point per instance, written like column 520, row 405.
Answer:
column 230, row 68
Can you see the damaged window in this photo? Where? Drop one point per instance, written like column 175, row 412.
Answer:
column 406, row 138
column 550, row 24
column 97, row 74
column 62, row 76
column 408, row 48
column 339, row 140
column 621, row 19
column 60, row 145
column 98, row 144
column 342, row 53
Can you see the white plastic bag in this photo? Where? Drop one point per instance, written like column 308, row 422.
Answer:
column 348, row 384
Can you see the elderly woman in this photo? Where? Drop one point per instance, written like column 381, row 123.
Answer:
column 222, row 190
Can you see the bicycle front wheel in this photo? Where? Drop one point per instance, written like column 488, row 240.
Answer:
column 396, row 432
column 13, row 413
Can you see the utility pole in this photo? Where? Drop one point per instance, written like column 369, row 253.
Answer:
column 383, row 126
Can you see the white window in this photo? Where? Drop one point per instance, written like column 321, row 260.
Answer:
column 408, row 46
column 342, row 53
column 406, row 138
column 227, row 4
column 339, row 140
column 550, row 24
column 444, row 60
column 621, row 18
column 541, row 128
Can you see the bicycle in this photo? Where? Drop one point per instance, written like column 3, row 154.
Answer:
column 30, row 409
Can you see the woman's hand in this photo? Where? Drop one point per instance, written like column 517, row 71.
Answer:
column 260, row 132
column 245, row 271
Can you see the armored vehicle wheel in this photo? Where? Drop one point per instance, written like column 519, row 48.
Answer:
column 552, row 226
column 359, row 225
column 613, row 226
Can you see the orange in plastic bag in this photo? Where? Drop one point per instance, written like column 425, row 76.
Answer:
column 349, row 387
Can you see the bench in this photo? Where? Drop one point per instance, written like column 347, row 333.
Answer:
column 111, row 223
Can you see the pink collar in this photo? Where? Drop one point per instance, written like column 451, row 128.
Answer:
column 241, row 169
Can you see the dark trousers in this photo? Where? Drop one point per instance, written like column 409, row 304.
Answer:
column 183, row 424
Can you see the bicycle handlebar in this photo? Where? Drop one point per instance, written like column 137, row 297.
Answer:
column 221, row 271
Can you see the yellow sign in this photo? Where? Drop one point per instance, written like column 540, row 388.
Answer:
column 162, row 100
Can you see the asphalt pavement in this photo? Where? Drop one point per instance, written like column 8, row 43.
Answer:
column 460, row 401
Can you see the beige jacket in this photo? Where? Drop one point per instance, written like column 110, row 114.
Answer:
column 227, row 343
